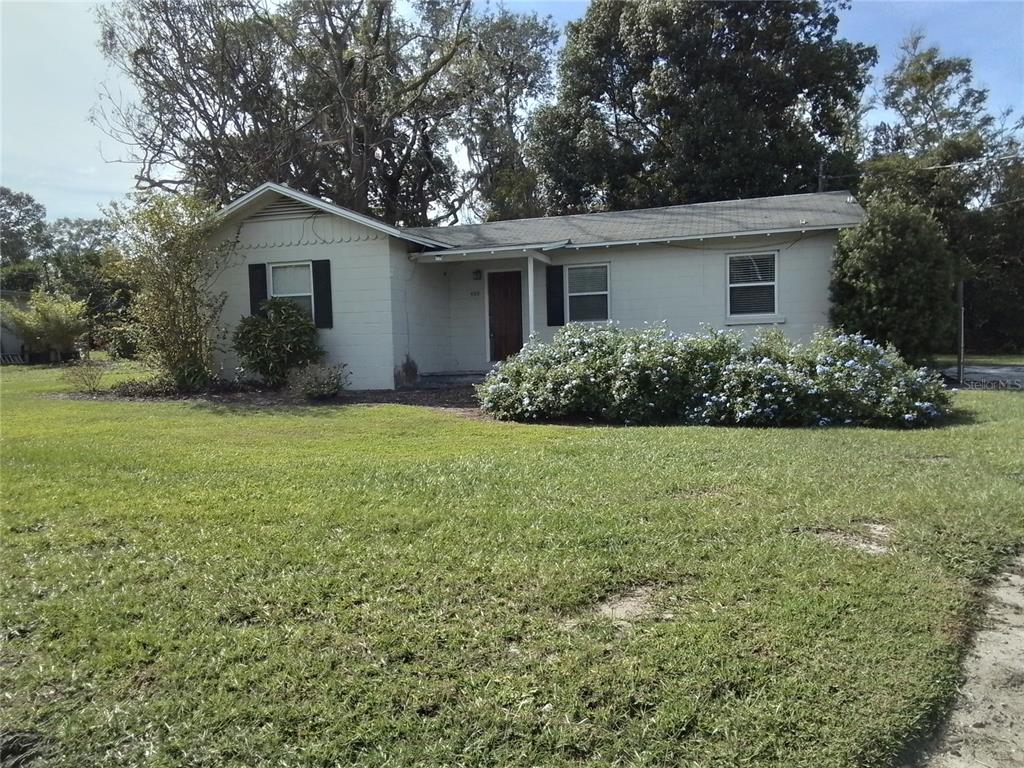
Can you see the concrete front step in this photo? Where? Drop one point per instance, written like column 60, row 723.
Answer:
column 448, row 380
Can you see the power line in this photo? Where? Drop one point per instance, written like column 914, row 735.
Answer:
column 1004, row 202
column 928, row 167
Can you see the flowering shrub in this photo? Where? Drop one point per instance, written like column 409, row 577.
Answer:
column 652, row 376
column 318, row 381
column 861, row 382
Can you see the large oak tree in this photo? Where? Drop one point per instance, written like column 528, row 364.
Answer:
column 681, row 101
column 357, row 101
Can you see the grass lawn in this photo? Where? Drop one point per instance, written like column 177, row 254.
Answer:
column 944, row 361
column 194, row 584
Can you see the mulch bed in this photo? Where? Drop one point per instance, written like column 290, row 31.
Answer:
column 450, row 397
column 453, row 398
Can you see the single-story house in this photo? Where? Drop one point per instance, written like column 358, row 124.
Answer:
column 391, row 301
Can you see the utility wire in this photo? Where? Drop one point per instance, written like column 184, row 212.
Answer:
column 1004, row 202
column 929, row 167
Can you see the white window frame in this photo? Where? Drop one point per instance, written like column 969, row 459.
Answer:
column 762, row 316
column 275, row 295
column 608, row 292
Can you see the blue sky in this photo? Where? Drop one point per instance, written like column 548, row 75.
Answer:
column 51, row 73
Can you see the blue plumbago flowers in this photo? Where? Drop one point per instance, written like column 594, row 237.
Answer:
column 653, row 376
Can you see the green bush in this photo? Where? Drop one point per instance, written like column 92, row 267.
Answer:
column 120, row 340
column 318, row 381
column 893, row 278
column 274, row 343
column 51, row 323
column 85, row 375
column 651, row 376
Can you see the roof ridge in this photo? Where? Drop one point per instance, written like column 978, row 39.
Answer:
column 435, row 228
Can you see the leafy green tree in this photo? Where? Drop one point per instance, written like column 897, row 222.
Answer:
column 995, row 297
column 21, row 276
column 22, row 227
column 946, row 151
column 51, row 323
column 893, row 278
column 679, row 102
column 507, row 70
column 934, row 99
column 357, row 102
column 944, row 148
column 168, row 242
column 83, row 261
column 341, row 100
column 23, row 240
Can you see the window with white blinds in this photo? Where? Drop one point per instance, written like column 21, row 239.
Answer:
column 293, row 282
column 752, row 284
column 587, row 289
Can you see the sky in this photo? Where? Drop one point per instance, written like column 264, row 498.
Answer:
column 52, row 72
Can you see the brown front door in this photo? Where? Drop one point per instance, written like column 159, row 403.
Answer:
column 505, row 313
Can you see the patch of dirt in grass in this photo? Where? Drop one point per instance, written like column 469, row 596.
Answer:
column 624, row 607
column 986, row 726
column 627, row 606
column 874, row 539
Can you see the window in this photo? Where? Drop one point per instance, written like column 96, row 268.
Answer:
column 587, row 288
column 295, row 282
column 752, row 284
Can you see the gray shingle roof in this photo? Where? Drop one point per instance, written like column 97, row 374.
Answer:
column 821, row 210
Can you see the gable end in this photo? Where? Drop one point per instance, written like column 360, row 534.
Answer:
column 284, row 208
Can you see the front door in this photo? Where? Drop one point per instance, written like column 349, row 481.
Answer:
column 504, row 313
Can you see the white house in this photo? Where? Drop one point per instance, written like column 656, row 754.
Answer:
column 456, row 299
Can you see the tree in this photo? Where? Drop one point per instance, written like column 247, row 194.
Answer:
column 22, row 227
column 681, row 102
column 994, row 298
column 51, row 323
column 21, row 276
column 508, row 71
column 83, row 262
column 893, row 278
column 169, row 243
column 945, row 150
column 934, row 99
column 351, row 101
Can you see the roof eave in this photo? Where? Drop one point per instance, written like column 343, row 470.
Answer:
column 451, row 252
column 713, row 236
column 251, row 197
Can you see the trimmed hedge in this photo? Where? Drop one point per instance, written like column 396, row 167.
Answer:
column 651, row 376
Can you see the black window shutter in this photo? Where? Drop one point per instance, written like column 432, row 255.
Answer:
column 323, row 313
column 556, row 295
column 257, row 289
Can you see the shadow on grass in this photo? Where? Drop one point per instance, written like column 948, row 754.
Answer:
column 457, row 399
column 461, row 400
column 959, row 417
